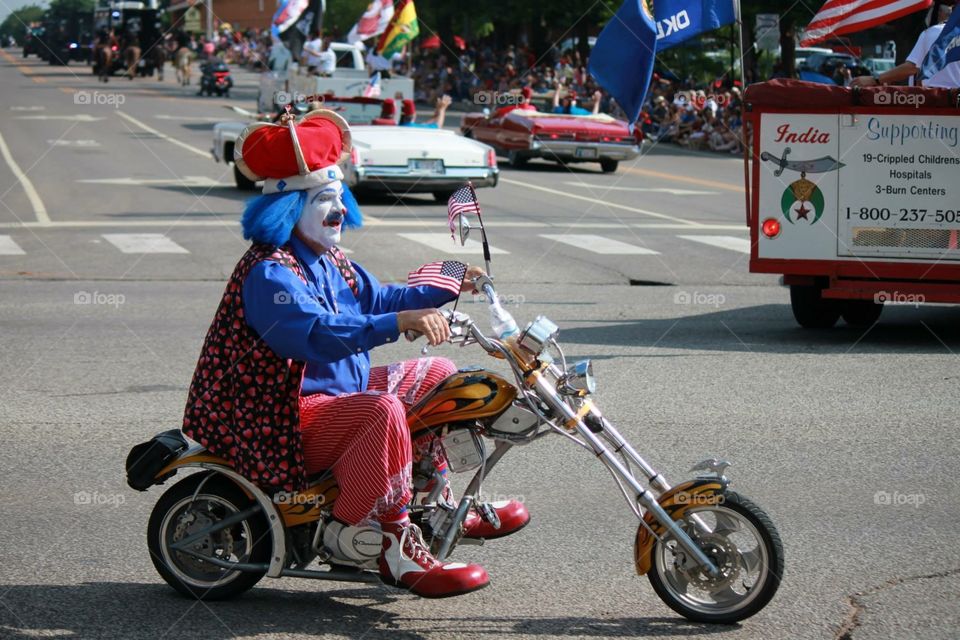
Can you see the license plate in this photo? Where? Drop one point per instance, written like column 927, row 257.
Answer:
column 425, row 166
column 585, row 152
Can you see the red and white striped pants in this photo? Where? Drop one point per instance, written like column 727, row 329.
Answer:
column 364, row 439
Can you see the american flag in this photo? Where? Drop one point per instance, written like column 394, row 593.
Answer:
column 445, row 274
column 838, row 17
column 462, row 201
column 372, row 90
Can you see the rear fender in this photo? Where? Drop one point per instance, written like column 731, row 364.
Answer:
column 199, row 458
column 676, row 502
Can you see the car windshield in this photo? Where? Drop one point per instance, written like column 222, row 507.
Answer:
column 354, row 112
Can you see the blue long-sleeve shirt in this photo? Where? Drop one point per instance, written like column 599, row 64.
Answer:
column 322, row 323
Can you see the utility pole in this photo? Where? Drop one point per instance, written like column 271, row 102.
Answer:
column 209, row 12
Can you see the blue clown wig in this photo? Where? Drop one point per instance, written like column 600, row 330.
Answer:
column 270, row 218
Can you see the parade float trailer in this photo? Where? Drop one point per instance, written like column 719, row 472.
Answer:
column 350, row 78
column 853, row 195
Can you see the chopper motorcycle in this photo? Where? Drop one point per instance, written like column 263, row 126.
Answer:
column 709, row 553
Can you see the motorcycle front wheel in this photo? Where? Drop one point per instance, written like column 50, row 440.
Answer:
column 742, row 542
column 180, row 514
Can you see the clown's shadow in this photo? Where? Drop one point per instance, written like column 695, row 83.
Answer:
column 128, row 610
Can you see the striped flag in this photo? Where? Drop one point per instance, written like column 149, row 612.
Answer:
column 372, row 90
column 446, row 274
column 838, row 17
column 402, row 29
column 463, row 200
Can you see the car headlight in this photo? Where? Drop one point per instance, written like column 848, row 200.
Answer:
column 578, row 380
column 538, row 334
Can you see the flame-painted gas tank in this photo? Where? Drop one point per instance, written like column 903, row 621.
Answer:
column 469, row 394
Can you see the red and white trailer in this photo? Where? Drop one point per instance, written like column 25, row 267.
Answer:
column 854, row 196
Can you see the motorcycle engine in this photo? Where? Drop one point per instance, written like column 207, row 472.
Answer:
column 354, row 546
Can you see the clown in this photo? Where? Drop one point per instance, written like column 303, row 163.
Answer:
column 284, row 388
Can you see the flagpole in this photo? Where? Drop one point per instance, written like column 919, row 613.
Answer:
column 743, row 124
column 483, row 230
column 743, row 78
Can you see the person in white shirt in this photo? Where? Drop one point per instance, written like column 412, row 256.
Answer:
column 280, row 59
column 947, row 78
column 321, row 60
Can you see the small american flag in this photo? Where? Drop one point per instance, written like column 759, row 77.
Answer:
column 462, row 201
column 446, row 274
column 372, row 90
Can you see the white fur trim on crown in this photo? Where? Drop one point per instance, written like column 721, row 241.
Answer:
column 312, row 180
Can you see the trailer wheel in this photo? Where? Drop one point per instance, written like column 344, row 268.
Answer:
column 810, row 309
column 861, row 313
column 243, row 182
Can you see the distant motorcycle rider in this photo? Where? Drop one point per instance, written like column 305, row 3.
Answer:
column 284, row 388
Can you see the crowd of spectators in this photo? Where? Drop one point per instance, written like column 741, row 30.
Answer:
column 703, row 118
column 481, row 75
column 694, row 118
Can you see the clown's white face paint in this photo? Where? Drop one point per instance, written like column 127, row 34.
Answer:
column 323, row 215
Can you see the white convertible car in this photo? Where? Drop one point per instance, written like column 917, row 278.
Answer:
column 391, row 159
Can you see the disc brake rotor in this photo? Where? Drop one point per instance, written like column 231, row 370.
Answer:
column 724, row 556
column 218, row 544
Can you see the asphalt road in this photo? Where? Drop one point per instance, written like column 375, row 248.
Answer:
column 695, row 357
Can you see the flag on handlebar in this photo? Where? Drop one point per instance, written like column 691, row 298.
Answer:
column 463, row 200
column 443, row 274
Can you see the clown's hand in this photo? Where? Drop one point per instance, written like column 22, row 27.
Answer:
column 426, row 322
column 472, row 274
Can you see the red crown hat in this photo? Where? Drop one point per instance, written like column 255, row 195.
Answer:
column 301, row 154
column 388, row 109
column 408, row 108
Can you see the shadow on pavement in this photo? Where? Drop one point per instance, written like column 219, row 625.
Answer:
column 131, row 610
column 772, row 329
column 549, row 166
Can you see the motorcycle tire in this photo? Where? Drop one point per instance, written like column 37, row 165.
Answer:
column 191, row 576
column 769, row 578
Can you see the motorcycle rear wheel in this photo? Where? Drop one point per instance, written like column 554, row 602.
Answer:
column 178, row 514
column 743, row 542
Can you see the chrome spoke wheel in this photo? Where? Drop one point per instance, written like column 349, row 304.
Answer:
column 231, row 544
column 741, row 542
column 187, row 512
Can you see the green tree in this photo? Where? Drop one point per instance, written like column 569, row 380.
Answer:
column 16, row 23
column 69, row 9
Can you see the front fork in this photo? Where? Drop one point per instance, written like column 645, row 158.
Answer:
column 575, row 421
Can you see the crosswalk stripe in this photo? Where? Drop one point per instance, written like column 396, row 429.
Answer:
column 723, row 242
column 442, row 242
column 601, row 245
column 10, row 248
column 143, row 243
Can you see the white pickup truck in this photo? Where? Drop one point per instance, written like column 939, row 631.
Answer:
column 349, row 78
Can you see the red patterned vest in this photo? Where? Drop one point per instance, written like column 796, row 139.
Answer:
column 244, row 401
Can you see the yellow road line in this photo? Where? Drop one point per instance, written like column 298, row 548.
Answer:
column 650, row 173
column 39, row 210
